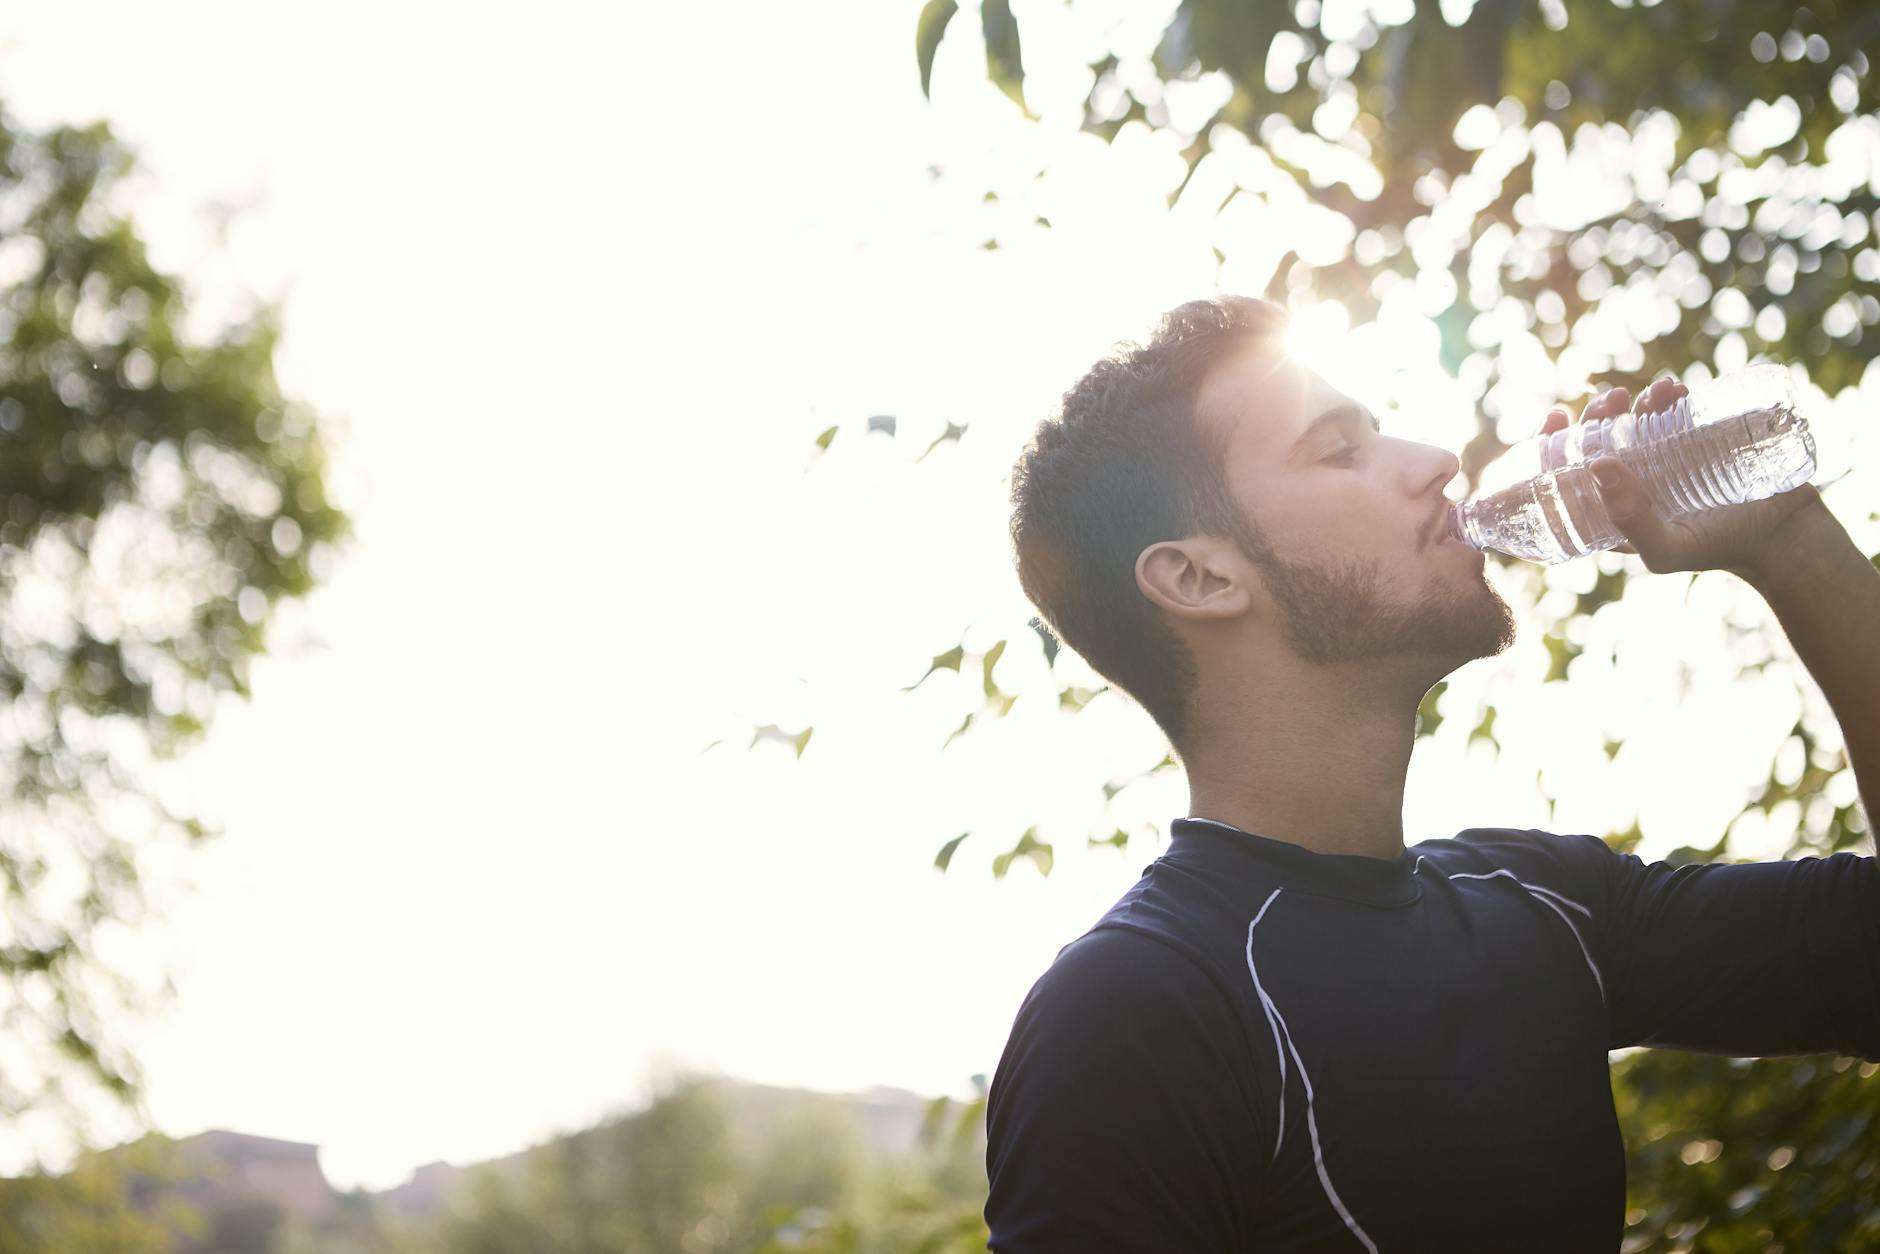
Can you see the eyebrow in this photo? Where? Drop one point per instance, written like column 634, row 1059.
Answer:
column 1347, row 411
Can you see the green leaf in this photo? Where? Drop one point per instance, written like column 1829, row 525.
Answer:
column 1428, row 720
column 958, row 731
column 1119, row 839
column 944, row 858
column 953, row 432
column 1485, row 730
column 933, row 24
column 1028, row 846
column 770, row 731
column 990, row 660
column 1628, row 840
column 1608, row 586
column 824, row 440
column 948, row 661
column 1559, row 652
column 1004, row 66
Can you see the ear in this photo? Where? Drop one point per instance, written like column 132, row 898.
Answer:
column 1194, row 578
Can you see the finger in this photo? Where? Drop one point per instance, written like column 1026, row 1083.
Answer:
column 1608, row 404
column 1553, row 454
column 1627, row 503
column 1660, row 396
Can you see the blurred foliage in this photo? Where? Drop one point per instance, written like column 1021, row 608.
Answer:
column 707, row 1167
column 159, row 499
column 1724, row 157
column 159, row 1194
column 1732, row 1155
column 101, row 1205
column 688, row 1176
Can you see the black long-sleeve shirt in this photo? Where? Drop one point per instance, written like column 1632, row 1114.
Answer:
column 1260, row 1047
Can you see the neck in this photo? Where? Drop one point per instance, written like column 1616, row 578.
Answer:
column 1312, row 755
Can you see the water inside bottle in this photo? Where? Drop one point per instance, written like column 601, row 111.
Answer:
column 1559, row 514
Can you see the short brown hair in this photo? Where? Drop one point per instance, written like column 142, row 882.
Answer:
column 1129, row 461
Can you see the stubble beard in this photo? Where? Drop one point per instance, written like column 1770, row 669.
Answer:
column 1341, row 614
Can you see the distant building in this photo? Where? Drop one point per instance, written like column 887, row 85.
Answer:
column 286, row 1173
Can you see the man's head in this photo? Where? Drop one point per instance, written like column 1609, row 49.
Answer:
column 1202, row 500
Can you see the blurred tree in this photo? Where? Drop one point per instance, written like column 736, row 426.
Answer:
column 159, row 498
column 662, row 1179
column 244, row 1223
column 703, row 1170
column 103, row 1204
column 151, row 1195
column 1592, row 183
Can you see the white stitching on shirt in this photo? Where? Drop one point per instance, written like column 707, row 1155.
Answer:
column 1562, row 898
column 1312, row 1123
column 1267, row 1006
column 1542, row 895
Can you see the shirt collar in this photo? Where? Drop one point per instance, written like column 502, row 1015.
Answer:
column 1346, row 876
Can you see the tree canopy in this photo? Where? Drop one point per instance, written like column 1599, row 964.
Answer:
column 159, row 499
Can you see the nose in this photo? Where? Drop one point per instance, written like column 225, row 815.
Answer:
column 1429, row 468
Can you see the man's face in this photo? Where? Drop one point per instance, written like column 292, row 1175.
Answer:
column 1355, row 557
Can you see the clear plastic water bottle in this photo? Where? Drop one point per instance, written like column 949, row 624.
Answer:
column 1735, row 439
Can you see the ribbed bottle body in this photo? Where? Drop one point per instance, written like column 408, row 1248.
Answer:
column 1733, row 440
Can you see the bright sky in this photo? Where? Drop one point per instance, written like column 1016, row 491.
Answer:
column 582, row 287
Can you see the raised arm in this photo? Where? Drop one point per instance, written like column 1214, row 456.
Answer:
column 1826, row 594
column 1790, row 548
column 1763, row 958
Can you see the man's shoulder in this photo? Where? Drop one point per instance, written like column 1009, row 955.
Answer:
column 1115, row 980
column 1125, row 1009
column 1520, row 851
column 1120, row 959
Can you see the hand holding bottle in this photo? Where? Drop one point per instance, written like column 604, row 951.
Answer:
column 1725, row 447
column 1738, row 538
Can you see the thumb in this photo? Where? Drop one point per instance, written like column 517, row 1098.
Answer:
column 1626, row 501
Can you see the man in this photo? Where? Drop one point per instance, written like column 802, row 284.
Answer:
column 1293, row 1033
